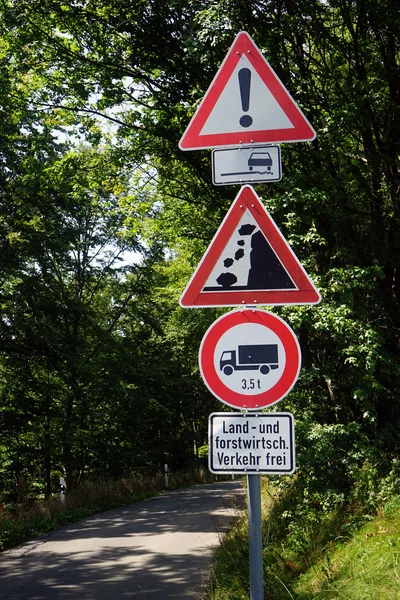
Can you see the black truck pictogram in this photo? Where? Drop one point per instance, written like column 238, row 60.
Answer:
column 250, row 357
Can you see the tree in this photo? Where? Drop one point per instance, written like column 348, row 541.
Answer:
column 145, row 66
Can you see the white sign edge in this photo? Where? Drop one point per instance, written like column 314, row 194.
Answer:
column 243, row 305
column 214, row 81
column 246, row 147
column 254, row 413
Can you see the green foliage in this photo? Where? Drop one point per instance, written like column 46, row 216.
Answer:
column 98, row 364
column 362, row 567
column 315, row 546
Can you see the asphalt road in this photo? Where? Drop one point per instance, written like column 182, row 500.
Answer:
column 157, row 549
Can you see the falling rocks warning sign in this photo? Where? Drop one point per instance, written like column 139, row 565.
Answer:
column 249, row 262
column 251, row 443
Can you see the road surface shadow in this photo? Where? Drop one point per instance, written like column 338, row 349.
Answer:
column 157, row 549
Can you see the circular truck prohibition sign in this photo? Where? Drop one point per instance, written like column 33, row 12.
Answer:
column 249, row 359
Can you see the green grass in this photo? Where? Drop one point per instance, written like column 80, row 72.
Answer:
column 339, row 556
column 365, row 567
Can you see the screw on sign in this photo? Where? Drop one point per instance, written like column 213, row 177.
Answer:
column 250, row 359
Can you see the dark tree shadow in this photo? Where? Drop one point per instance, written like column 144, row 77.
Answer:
column 157, row 549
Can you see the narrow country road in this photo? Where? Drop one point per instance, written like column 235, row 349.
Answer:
column 157, row 549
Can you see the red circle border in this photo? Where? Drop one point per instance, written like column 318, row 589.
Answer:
column 282, row 386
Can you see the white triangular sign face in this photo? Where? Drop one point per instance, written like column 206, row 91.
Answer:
column 222, row 120
column 238, row 267
column 245, row 103
column 249, row 262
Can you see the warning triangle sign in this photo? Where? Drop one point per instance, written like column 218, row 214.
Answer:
column 246, row 103
column 249, row 262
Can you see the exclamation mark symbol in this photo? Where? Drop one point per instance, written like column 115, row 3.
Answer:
column 244, row 86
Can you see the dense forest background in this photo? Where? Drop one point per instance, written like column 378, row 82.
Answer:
column 103, row 221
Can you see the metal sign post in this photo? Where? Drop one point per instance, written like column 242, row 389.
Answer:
column 249, row 359
column 252, row 443
column 255, row 538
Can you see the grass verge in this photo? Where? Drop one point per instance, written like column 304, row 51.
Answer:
column 367, row 566
column 341, row 555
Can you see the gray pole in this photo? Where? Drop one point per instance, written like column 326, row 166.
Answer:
column 255, row 538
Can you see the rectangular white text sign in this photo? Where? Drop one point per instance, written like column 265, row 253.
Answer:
column 251, row 443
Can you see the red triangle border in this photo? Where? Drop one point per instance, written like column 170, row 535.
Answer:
column 195, row 297
column 243, row 44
